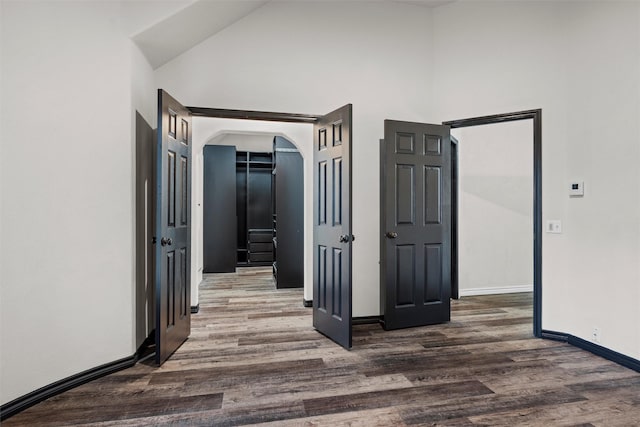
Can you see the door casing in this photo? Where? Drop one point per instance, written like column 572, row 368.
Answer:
column 536, row 116
column 269, row 116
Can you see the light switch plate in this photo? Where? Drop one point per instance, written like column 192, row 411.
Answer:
column 554, row 226
column 576, row 188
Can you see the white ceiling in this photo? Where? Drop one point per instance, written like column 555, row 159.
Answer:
column 189, row 26
column 138, row 15
column 427, row 3
column 171, row 27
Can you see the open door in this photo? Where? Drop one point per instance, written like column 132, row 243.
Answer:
column 416, row 224
column 173, row 226
column 332, row 226
column 455, row 291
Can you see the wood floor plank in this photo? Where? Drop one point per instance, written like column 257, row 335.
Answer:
column 317, row 389
column 486, row 404
column 568, row 414
column 366, row 418
column 253, row 358
column 97, row 410
column 384, row 398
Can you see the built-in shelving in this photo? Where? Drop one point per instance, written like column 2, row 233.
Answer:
column 254, row 195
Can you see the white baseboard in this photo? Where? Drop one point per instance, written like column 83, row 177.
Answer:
column 496, row 290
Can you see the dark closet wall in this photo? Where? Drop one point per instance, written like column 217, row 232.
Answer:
column 288, row 201
column 219, row 209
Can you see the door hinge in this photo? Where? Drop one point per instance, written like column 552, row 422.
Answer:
column 154, row 240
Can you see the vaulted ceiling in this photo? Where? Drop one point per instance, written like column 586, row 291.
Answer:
column 171, row 27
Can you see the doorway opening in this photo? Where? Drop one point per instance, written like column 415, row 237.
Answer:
column 481, row 186
column 330, row 158
column 253, row 205
column 247, row 148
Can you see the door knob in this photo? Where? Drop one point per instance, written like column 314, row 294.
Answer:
column 392, row 234
column 164, row 241
column 344, row 238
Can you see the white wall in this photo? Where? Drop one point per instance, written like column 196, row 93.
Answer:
column 304, row 57
column 66, row 285
column 251, row 133
column 495, row 208
column 143, row 88
column 580, row 63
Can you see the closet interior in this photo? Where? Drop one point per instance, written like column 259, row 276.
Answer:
column 253, row 210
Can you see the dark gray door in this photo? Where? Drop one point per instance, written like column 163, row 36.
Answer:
column 455, row 293
column 416, row 224
column 173, row 226
column 332, row 226
column 219, row 221
column 145, row 228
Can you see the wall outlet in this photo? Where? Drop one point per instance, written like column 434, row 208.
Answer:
column 596, row 335
column 554, row 226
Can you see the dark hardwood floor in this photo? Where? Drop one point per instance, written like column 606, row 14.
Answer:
column 253, row 357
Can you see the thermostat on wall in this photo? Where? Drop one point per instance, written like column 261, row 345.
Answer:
column 576, row 189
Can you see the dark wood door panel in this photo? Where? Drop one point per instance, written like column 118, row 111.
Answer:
column 332, row 226
column 416, row 226
column 173, row 227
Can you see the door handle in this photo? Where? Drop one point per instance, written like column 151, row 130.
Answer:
column 391, row 234
column 164, row 241
column 344, row 238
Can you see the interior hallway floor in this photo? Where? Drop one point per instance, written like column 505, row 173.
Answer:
column 254, row 357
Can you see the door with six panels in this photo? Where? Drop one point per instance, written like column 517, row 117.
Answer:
column 415, row 224
column 332, row 226
column 173, row 226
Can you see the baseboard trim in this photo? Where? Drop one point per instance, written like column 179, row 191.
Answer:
column 494, row 291
column 365, row 320
column 307, row 302
column 608, row 354
column 195, row 309
column 554, row 336
column 21, row 403
column 598, row 350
